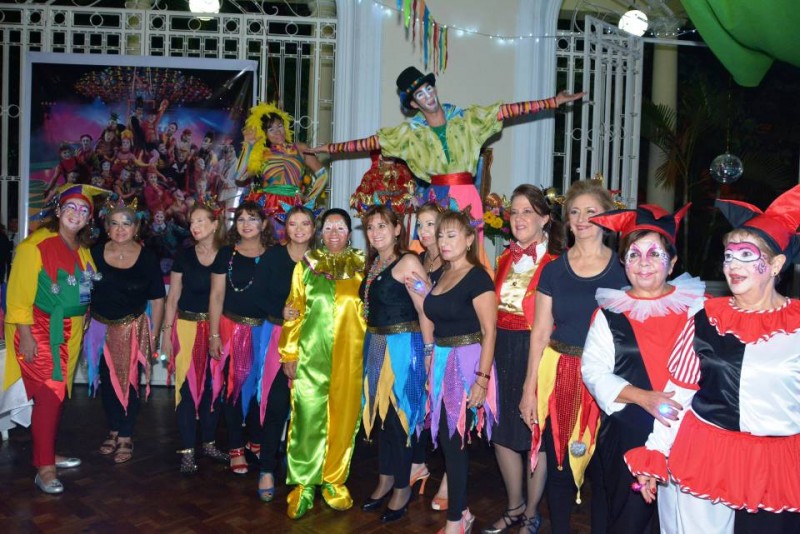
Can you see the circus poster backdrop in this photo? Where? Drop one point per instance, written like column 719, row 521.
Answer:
column 166, row 132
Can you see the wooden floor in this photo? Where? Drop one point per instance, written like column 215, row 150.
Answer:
column 148, row 493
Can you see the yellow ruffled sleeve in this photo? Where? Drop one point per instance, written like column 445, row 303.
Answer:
column 289, row 344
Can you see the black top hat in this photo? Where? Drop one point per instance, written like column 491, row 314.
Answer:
column 409, row 81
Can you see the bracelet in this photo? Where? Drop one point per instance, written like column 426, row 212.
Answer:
column 427, row 349
column 213, row 336
column 480, row 386
column 484, row 375
column 167, row 327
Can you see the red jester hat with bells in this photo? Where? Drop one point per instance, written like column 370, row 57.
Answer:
column 777, row 225
column 645, row 217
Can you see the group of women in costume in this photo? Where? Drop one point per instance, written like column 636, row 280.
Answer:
column 571, row 361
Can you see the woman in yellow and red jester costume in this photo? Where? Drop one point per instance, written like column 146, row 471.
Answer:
column 48, row 295
column 322, row 348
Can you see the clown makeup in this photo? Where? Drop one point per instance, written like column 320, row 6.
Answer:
column 745, row 252
column 645, row 250
column 81, row 211
column 338, row 227
column 426, row 98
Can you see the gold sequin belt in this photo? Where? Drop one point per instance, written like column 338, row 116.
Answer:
column 275, row 320
column 399, row 328
column 114, row 322
column 564, row 348
column 249, row 321
column 459, row 341
column 192, row 316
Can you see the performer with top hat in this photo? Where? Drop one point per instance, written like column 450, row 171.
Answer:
column 624, row 362
column 736, row 369
column 442, row 144
column 49, row 291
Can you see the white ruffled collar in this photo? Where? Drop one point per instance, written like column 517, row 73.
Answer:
column 687, row 294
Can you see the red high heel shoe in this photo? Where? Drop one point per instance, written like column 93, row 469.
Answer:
column 467, row 520
column 239, row 469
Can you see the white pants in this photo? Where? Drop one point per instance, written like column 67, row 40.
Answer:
column 683, row 513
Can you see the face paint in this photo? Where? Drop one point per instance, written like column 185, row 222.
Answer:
column 81, row 211
column 744, row 252
column 642, row 251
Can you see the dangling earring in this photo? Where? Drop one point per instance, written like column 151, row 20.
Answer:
column 469, row 247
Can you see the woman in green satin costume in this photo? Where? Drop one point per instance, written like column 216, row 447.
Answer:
column 322, row 346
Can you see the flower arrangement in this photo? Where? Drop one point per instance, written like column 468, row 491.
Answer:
column 496, row 217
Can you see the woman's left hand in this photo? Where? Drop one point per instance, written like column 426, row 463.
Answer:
column 417, row 283
column 477, row 395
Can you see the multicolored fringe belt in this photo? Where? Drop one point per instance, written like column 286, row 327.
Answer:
column 124, row 344
column 452, row 373
column 242, row 338
column 394, row 375
column 191, row 331
column 573, row 414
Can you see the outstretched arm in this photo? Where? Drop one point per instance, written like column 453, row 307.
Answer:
column 368, row 144
column 518, row 109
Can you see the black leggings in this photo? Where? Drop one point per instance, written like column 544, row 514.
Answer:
column 763, row 522
column 561, row 491
column 118, row 420
column 206, row 414
column 274, row 422
column 394, row 456
column 456, row 458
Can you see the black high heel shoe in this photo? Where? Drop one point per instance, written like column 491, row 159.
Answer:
column 370, row 505
column 509, row 521
column 390, row 515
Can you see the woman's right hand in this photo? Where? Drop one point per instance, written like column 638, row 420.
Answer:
column 648, row 488
column 528, row 408
column 27, row 347
column 166, row 345
column 290, row 370
column 215, row 347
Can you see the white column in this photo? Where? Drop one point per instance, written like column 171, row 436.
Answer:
column 356, row 109
column 535, row 68
column 665, row 91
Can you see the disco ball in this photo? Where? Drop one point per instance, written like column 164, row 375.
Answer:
column 726, row 168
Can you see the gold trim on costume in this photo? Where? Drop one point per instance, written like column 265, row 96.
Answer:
column 564, row 348
column 192, row 316
column 399, row 328
column 114, row 322
column 248, row 321
column 459, row 341
column 343, row 265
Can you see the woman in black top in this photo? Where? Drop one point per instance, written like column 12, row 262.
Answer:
column 394, row 362
column 237, row 313
column 463, row 309
column 121, row 337
column 272, row 391
column 185, row 335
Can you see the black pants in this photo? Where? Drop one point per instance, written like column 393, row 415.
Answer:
column 118, row 420
column 419, row 446
column 764, row 522
column 278, row 404
column 561, row 491
column 394, row 456
column 206, row 414
column 456, row 459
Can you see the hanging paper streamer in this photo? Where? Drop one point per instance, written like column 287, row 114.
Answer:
column 432, row 35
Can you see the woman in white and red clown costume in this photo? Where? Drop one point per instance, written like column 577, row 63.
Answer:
column 48, row 294
column 624, row 364
column 735, row 452
column 277, row 165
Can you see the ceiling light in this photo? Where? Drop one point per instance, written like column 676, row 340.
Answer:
column 206, row 6
column 634, row 22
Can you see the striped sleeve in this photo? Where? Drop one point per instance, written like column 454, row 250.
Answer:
column 684, row 365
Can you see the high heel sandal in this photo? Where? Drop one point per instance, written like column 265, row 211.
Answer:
column 188, row 465
column 254, row 448
column 210, row 450
column 509, row 521
column 530, row 525
column 239, row 469
column 109, row 445
column 467, row 520
column 124, row 452
column 267, row 494
column 439, row 503
column 422, row 474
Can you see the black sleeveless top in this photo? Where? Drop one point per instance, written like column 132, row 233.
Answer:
column 389, row 303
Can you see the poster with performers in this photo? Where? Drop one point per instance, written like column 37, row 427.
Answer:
column 164, row 132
